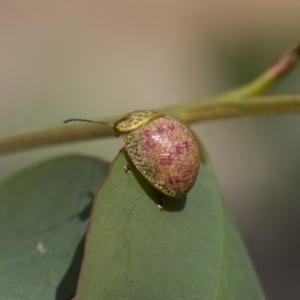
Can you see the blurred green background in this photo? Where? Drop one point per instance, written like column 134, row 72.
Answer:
column 93, row 59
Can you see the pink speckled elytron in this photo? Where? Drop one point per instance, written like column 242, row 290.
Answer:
column 162, row 149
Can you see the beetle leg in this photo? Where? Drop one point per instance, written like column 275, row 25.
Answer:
column 160, row 204
column 128, row 168
column 122, row 150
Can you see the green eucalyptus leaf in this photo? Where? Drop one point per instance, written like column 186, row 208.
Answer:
column 43, row 219
column 191, row 250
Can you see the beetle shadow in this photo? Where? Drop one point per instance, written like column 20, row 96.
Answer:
column 68, row 284
column 168, row 203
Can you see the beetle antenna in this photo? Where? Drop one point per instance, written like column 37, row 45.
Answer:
column 90, row 121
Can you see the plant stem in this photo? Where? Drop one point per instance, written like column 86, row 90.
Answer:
column 251, row 106
column 279, row 68
column 237, row 103
column 52, row 136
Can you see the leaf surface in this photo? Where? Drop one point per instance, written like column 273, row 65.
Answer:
column 191, row 250
column 43, row 218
